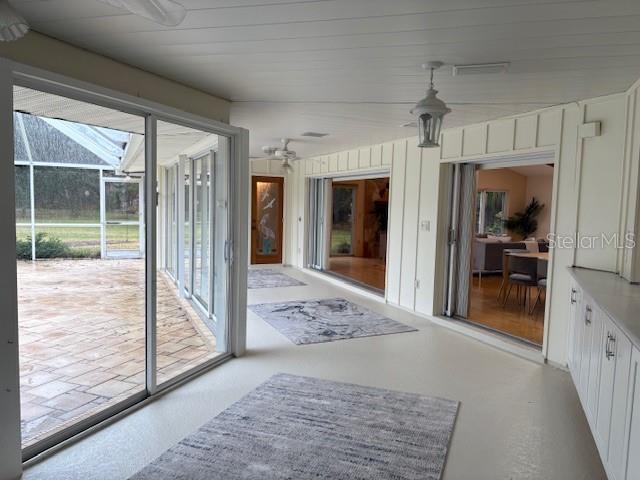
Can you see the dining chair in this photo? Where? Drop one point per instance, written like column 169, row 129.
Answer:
column 505, row 266
column 542, row 267
column 523, row 273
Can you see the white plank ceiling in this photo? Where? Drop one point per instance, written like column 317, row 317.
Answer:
column 351, row 68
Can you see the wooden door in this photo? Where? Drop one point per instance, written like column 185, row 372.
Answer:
column 267, row 195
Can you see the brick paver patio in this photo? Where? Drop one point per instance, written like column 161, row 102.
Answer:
column 82, row 338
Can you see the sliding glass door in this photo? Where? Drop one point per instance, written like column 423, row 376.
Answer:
column 123, row 258
column 192, row 321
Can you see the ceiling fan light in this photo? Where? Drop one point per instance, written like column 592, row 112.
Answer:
column 12, row 25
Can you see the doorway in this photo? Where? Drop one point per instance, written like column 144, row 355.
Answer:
column 267, row 195
column 122, row 222
column 348, row 228
column 499, row 253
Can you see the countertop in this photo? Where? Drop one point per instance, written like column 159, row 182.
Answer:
column 615, row 296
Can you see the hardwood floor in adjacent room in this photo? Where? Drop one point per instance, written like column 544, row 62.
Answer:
column 512, row 319
column 368, row 271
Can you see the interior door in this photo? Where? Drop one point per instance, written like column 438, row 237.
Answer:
column 122, row 225
column 267, row 194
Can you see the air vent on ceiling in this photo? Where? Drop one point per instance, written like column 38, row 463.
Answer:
column 480, row 69
column 314, row 134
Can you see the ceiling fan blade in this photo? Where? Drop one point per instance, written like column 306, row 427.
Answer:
column 12, row 25
column 164, row 12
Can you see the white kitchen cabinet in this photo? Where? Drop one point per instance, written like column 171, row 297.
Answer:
column 574, row 334
column 633, row 419
column 605, row 396
column 604, row 360
column 586, row 346
column 595, row 353
column 618, row 350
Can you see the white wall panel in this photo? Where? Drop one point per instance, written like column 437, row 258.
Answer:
column 364, row 157
column 396, row 221
column 259, row 166
column 410, row 224
column 353, row 159
column 500, row 136
column 473, row 140
column 601, row 164
column 526, row 132
column 308, row 165
column 324, row 164
column 451, row 146
column 343, row 161
column 428, row 215
column 376, row 156
column 333, row 163
column 387, row 153
column 549, row 128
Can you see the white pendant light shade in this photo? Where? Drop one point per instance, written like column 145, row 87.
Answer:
column 430, row 112
column 12, row 25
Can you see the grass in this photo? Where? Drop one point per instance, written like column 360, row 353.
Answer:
column 341, row 241
column 87, row 239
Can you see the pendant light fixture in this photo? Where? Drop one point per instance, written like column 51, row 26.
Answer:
column 430, row 112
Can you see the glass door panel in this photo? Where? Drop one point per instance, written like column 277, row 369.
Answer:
column 172, row 221
column 81, row 316
column 202, row 227
column 122, row 215
column 190, row 327
column 343, row 215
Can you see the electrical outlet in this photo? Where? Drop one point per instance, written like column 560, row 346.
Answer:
column 425, row 225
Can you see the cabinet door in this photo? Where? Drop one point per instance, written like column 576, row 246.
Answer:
column 619, row 349
column 605, row 394
column 578, row 325
column 573, row 330
column 585, row 348
column 595, row 359
column 633, row 415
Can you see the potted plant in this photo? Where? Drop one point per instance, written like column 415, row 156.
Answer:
column 524, row 223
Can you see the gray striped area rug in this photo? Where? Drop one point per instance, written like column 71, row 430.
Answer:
column 302, row 428
column 326, row 320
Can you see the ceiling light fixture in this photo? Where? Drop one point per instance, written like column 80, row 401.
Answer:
column 164, row 12
column 12, row 25
column 430, row 112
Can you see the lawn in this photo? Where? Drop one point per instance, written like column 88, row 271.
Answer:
column 85, row 241
column 341, row 240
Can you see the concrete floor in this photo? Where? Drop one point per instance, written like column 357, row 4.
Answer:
column 517, row 420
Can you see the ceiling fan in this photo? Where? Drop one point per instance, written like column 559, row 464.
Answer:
column 281, row 152
column 170, row 13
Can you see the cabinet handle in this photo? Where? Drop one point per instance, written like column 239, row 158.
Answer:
column 573, row 296
column 609, row 346
column 587, row 315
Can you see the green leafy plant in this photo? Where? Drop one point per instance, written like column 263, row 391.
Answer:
column 524, row 223
column 49, row 246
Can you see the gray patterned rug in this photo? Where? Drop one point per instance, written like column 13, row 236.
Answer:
column 305, row 428
column 326, row 320
column 269, row 278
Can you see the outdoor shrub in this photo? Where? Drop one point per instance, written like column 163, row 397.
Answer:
column 47, row 246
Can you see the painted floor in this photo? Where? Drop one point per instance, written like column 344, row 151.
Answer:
column 82, row 338
column 517, row 420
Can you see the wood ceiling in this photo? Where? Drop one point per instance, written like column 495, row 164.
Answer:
column 352, row 68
